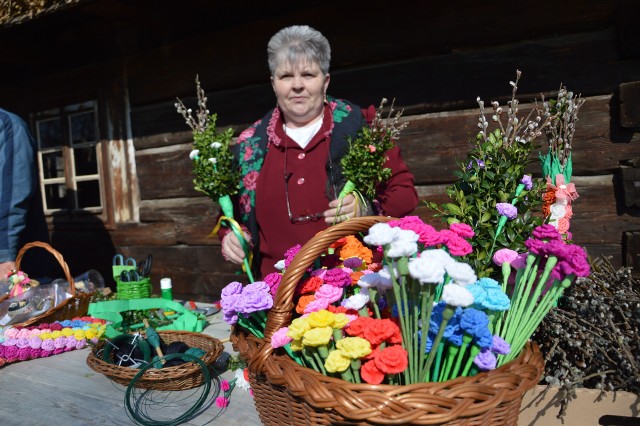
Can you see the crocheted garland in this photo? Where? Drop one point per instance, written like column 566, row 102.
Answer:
column 24, row 343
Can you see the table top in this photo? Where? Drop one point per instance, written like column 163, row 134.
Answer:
column 63, row 390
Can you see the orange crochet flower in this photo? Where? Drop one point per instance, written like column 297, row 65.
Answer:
column 549, row 197
column 355, row 277
column 303, row 302
column 354, row 248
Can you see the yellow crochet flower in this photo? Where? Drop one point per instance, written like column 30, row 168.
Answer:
column 317, row 336
column 79, row 334
column 45, row 336
column 354, row 347
column 296, row 345
column 337, row 362
column 91, row 333
column 66, row 332
column 322, row 318
column 56, row 334
column 340, row 321
column 298, row 327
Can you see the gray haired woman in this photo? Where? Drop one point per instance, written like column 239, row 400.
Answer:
column 290, row 159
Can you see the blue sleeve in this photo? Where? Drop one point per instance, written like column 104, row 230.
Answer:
column 17, row 162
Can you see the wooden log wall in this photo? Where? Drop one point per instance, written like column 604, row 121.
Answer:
column 434, row 60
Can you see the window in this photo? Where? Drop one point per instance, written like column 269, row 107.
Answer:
column 69, row 157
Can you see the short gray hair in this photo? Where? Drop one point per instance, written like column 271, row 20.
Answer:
column 291, row 44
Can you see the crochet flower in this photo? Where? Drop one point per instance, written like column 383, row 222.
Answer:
column 354, row 347
column 337, row 362
column 508, row 210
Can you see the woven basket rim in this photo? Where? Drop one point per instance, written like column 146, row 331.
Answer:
column 157, row 376
column 79, row 299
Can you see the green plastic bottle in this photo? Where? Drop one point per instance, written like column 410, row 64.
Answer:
column 166, row 288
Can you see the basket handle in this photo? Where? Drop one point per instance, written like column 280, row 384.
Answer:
column 56, row 254
column 280, row 314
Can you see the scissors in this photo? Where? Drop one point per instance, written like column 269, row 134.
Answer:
column 129, row 276
column 119, row 260
column 144, row 267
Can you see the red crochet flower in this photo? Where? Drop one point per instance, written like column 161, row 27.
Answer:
column 381, row 330
column 310, row 285
column 392, row 360
column 358, row 326
column 370, row 373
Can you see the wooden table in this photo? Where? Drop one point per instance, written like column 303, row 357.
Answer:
column 62, row 390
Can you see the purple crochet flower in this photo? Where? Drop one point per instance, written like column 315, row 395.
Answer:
column 337, row 278
column 485, row 360
column 254, row 297
column 48, row 345
column 232, row 288
column 527, row 181
column 500, row 346
column 508, row 210
column 352, row 263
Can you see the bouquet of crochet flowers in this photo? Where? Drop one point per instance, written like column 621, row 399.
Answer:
column 400, row 306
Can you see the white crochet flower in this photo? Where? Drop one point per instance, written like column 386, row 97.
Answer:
column 427, row 271
column 380, row 234
column 456, row 295
column 461, row 273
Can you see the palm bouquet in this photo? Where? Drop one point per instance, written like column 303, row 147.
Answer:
column 363, row 165
column 216, row 174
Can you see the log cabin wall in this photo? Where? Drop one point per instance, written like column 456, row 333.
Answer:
column 435, row 59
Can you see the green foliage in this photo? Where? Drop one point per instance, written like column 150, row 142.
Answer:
column 363, row 165
column 213, row 165
column 490, row 175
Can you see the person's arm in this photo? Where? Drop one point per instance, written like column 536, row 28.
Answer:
column 17, row 163
column 397, row 197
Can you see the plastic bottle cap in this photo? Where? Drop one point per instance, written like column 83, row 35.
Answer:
column 165, row 283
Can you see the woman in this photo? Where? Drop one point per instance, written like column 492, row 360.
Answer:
column 290, row 159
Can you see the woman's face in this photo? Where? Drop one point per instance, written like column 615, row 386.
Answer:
column 300, row 90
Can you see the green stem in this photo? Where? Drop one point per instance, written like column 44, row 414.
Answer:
column 466, row 342
column 514, row 313
column 437, row 362
column 474, row 352
column 452, row 352
column 447, row 314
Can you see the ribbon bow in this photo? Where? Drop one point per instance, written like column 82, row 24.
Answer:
column 565, row 192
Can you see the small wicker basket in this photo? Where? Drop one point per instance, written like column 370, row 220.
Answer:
column 75, row 306
column 287, row 393
column 180, row 377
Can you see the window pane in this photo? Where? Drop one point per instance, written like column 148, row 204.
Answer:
column 85, row 161
column 83, row 127
column 55, row 196
column 88, row 194
column 52, row 165
column 50, row 133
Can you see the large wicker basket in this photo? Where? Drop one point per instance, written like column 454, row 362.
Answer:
column 75, row 306
column 180, row 377
column 287, row 393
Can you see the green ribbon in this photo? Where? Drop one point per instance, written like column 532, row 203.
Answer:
column 111, row 310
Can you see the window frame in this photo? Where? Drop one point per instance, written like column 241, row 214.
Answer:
column 67, row 148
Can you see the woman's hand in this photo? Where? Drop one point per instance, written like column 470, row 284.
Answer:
column 343, row 209
column 232, row 249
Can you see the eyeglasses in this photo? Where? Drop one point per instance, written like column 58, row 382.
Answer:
column 300, row 219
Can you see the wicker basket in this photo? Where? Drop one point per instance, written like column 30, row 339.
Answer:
column 75, row 306
column 133, row 290
column 180, row 377
column 287, row 393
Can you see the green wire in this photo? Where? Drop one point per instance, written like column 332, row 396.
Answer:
column 145, row 421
